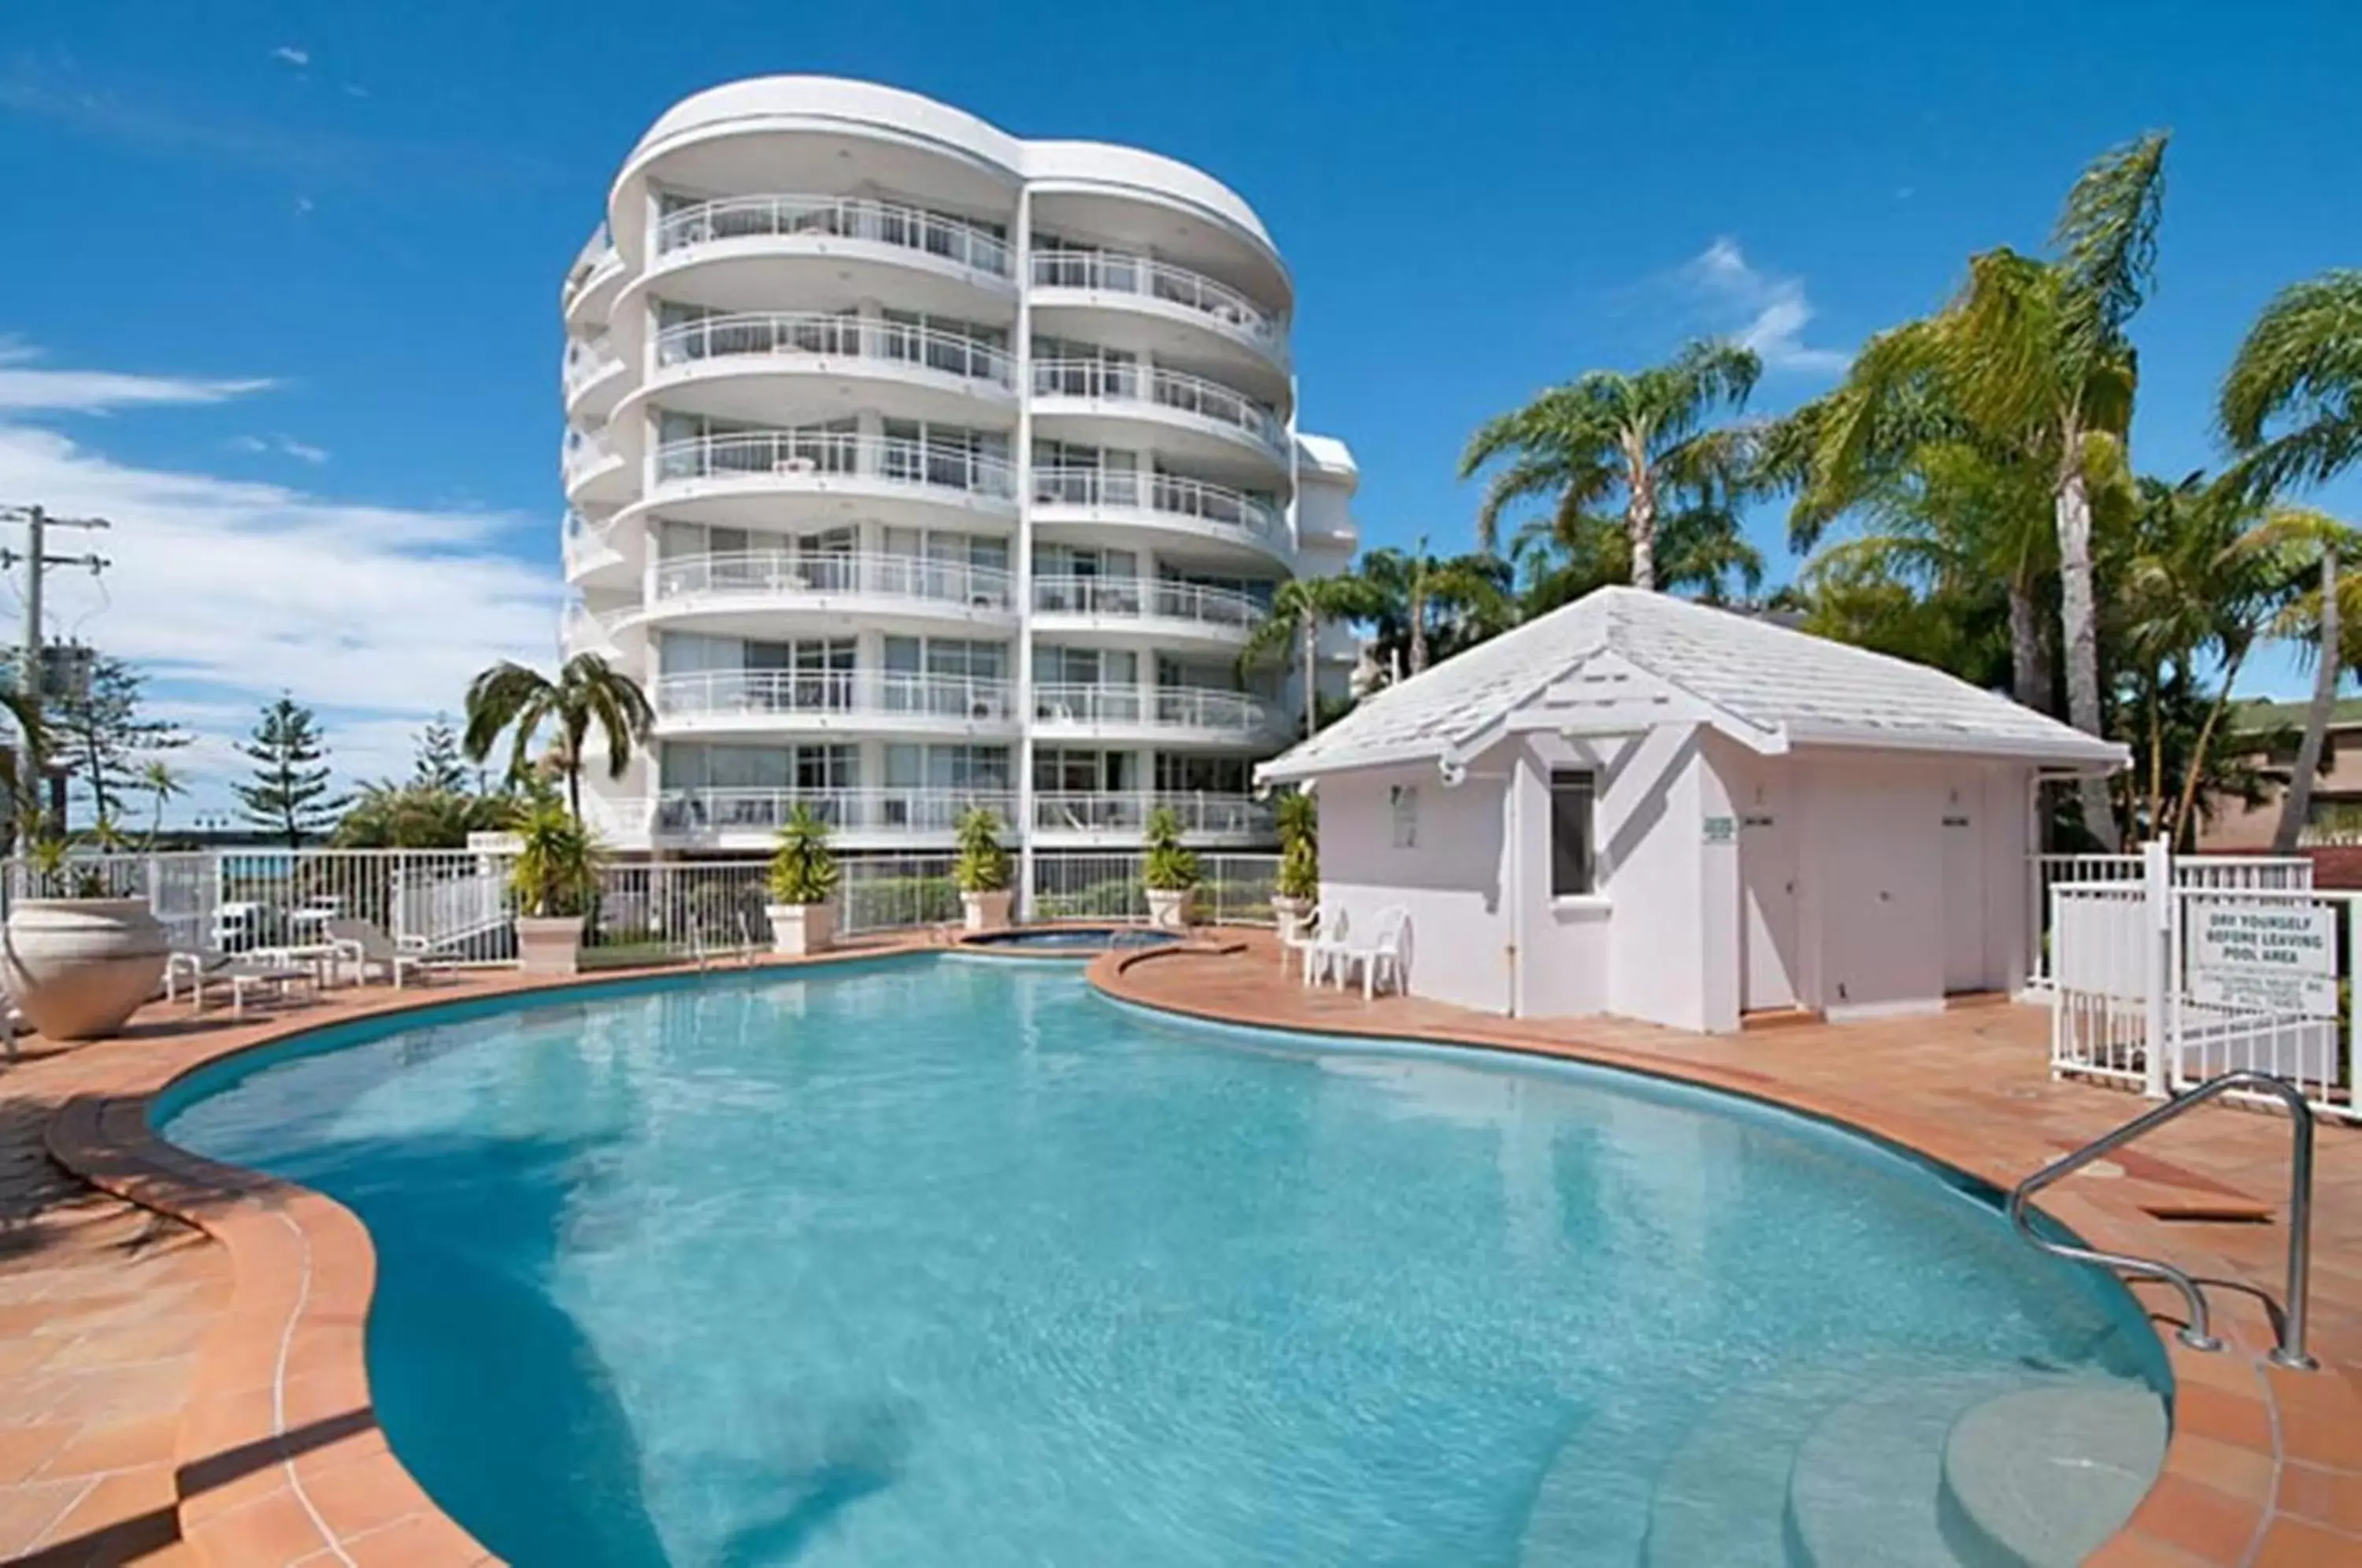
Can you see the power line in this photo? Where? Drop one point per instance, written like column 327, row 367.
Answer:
column 36, row 560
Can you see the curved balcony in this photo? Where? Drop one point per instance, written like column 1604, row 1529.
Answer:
column 583, row 630
column 713, row 365
column 593, row 376
column 1214, row 512
column 858, row 699
column 1112, row 279
column 1230, row 818
column 873, row 585
column 590, row 283
column 860, row 817
column 771, row 462
column 1164, row 712
column 591, row 555
column 737, row 233
column 1161, row 610
column 1223, row 417
column 595, row 470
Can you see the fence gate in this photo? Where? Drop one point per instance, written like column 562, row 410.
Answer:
column 2162, row 982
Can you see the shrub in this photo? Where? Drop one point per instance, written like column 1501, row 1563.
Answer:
column 983, row 865
column 803, row 869
column 1170, row 868
column 557, row 869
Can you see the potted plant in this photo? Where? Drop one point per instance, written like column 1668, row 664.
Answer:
column 1298, row 888
column 555, row 879
column 803, row 885
column 1171, row 874
column 76, row 963
column 983, row 870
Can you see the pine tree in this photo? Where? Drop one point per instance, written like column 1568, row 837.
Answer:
column 290, row 792
column 439, row 766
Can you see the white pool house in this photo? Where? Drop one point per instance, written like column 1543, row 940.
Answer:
column 1642, row 806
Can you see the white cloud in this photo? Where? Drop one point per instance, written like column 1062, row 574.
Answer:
column 25, row 390
column 226, row 592
column 284, row 445
column 1757, row 310
column 298, row 58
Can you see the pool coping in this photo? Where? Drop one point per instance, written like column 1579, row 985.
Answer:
column 280, row 1459
column 278, row 1455
column 2238, row 1422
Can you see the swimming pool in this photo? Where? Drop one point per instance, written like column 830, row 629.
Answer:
column 1068, row 941
column 919, row 1262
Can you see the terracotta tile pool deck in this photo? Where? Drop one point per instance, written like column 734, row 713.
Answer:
column 182, row 1374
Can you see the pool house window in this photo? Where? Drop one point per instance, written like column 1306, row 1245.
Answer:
column 1572, row 868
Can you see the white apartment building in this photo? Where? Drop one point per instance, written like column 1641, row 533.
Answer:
column 912, row 465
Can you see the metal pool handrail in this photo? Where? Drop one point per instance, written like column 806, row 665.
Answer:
column 2197, row 1333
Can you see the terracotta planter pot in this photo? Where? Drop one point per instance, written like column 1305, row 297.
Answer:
column 1169, row 911
column 986, row 912
column 77, row 968
column 798, row 929
column 550, row 944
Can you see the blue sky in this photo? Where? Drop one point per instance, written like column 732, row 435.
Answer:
column 280, row 292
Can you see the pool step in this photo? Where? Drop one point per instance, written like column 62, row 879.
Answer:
column 1875, row 1482
column 2043, row 1475
column 1591, row 1504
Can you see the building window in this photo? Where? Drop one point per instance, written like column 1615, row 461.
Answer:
column 1404, row 798
column 1571, row 860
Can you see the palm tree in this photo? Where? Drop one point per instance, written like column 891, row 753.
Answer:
column 1410, row 586
column 2318, row 622
column 2299, row 373
column 2030, row 362
column 1298, row 608
column 588, row 691
column 164, row 785
column 1643, row 436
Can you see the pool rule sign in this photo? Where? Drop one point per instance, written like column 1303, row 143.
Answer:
column 2264, row 957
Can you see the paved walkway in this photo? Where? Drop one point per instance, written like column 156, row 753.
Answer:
column 2266, row 1464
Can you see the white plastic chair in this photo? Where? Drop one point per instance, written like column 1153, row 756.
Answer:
column 365, row 946
column 1326, row 947
column 1381, row 956
column 1297, row 936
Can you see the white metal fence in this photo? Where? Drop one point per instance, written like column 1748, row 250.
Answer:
column 2193, row 970
column 2044, row 872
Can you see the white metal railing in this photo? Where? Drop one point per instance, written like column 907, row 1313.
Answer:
column 1206, row 400
column 719, row 693
column 1199, row 812
column 1126, row 490
column 786, row 573
column 1114, row 272
column 1161, row 707
column 774, row 333
column 2044, row 872
column 586, row 362
column 1131, row 598
column 598, row 254
column 580, row 624
column 865, row 811
column 837, row 217
column 801, row 455
column 1232, row 890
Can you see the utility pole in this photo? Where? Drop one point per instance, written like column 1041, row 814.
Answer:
column 37, row 559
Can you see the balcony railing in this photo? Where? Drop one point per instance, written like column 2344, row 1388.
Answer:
column 1129, row 489
column 1164, row 707
column 764, row 334
column 598, row 253
column 1133, row 598
column 794, row 453
column 880, row 223
column 585, row 452
column 1231, row 815
column 810, row 572
column 1207, row 400
column 888, row 811
column 1113, row 271
column 587, row 361
column 737, row 693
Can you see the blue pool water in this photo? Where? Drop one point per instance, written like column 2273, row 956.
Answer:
column 1072, row 939
column 924, row 1261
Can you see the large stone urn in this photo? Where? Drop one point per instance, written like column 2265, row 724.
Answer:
column 986, row 912
column 799, row 930
column 1168, row 908
column 77, row 968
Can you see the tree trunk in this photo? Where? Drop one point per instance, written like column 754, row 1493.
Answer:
column 2184, row 812
column 1311, row 700
column 1640, row 525
column 2080, row 628
column 2029, row 674
column 1417, row 620
column 2296, row 806
column 574, row 787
